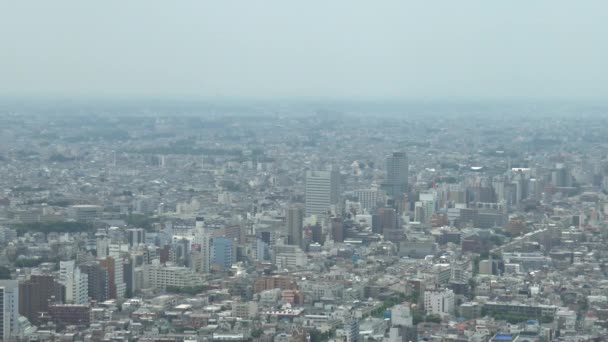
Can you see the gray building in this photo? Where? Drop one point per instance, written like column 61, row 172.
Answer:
column 9, row 294
column 396, row 174
column 295, row 217
column 322, row 190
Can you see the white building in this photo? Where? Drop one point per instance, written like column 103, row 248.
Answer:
column 401, row 315
column 160, row 276
column 322, row 190
column 121, row 286
column 289, row 257
column 368, row 199
column 203, row 238
column 246, row 310
column 9, row 293
column 102, row 245
column 76, row 283
column 439, row 302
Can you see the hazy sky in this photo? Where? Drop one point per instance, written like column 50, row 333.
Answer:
column 315, row 48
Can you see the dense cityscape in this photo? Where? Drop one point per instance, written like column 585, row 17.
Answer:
column 282, row 222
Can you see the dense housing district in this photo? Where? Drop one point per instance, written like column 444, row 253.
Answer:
column 303, row 223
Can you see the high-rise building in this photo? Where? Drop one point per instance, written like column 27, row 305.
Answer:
column 98, row 281
column 116, row 285
column 560, row 176
column 223, row 253
column 337, row 229
column 295, row 217
column 76, row 283
column 9, row 294
column 128, row 268
column 397, row 168
column 322, row 191
column 352, row 330
column 102, row 244
column 202, row 239
column 35, row 295
column 136, row 236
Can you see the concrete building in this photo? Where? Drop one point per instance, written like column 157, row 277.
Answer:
column 9, row 294
column 246, row 310
column 136, row 236
column 396, row 182
column 160, row 276
column 368, row 199
column 352, row 330
column 322, row 191
column 290, row 257
column 223, row 253
column 35, row 295
column 439, row 302
column 76, row 282
column 116, row 285
column 97, row 281
column 63, row 315
column 294, row 225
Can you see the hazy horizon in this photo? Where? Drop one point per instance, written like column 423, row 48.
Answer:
column 274, row 50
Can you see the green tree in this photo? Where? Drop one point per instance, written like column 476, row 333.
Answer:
column 433, row 318
column 140, row 221
column 257, row 333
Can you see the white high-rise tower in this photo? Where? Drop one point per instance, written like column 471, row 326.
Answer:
column 322, row 190
column 76, row 282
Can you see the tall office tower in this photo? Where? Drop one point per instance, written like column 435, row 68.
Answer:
column 129, row 275
column 35, row 295
column 534, row 189
column 295, row 217
column 76, row 283
column 264, row 243
column 102, row 244
column 116, row 285
column 322, row 190
column 203, row 238
column 98, row 281
column 223, row 253
column 560, row 176
column 428, row 202
column 352, row 330
column 121, row 286
column 498, row 184
column 337, row 229
column 397, row 168
column 9, row 295
column 136, row 236
column 388, row 218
